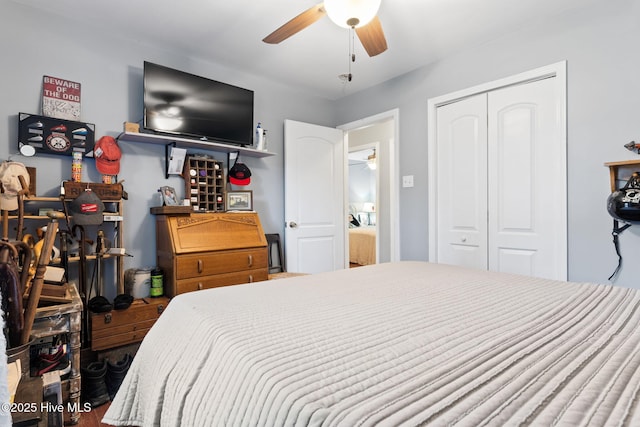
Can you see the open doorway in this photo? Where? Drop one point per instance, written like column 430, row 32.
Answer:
column 362, row 194
column 379, row 133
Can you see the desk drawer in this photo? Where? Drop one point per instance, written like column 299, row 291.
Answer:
column 210, row 263
column 121, row 327
column 111, row 341
column 227, row 279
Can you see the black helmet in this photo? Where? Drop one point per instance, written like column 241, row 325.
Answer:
column 624, row 204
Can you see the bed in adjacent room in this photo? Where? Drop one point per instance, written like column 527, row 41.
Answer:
column 362, row 245
column 390, row 344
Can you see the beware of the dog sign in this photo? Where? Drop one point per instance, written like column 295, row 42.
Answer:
column 60, row 98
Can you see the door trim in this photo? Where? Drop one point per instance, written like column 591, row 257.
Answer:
column 557, row 70
column 394, row 167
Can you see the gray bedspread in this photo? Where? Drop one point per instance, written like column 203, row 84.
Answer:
column 406, row 343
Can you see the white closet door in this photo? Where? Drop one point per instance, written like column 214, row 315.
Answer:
column 501, row 181
column 462, row 182
column 526, row 176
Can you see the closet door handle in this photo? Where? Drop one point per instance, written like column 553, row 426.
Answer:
column 200, row 266
column 250, row 259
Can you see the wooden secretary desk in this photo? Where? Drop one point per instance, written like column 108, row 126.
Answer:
column 206, row 250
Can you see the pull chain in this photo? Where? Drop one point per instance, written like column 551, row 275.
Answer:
column 352, row 55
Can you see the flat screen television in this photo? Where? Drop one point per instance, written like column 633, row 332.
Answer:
column 176, row 102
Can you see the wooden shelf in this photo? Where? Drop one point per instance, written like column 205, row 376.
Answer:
column 41, row 199
column 621, row 171
column 171, row 210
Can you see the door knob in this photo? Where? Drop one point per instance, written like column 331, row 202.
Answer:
column 293, row 224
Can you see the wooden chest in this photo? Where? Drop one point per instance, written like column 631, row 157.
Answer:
column 207, row 250
column 122, row 327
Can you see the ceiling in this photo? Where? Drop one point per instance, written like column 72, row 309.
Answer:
column 359, row 156
column 418, row 32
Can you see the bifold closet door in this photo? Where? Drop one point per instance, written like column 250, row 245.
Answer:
column 462, row 183
column 500, row 181
column 526, row 181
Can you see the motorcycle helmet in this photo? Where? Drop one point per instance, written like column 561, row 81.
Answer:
column 624, row 204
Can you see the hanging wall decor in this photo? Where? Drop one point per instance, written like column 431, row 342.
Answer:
column 40, row 134
column 60, row 98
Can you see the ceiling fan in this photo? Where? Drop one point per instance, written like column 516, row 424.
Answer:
column 361, row 15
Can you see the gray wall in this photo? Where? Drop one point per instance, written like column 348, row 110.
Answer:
column 110, row 71
column 600, row 44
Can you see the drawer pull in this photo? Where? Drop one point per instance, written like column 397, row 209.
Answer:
column 200, row 286
column 200, row 265
column 107, row 318
column 251, row 278
column 250, row 260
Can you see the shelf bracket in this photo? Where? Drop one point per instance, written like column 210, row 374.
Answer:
column 167, row 157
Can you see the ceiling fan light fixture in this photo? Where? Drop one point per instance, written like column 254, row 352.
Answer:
column 351, row 13
column 169, row 110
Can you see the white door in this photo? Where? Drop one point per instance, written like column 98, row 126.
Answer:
column 501, row 195
column 462, row 182
column 526, row 181
column 314, row 169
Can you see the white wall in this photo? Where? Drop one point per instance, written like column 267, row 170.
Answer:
column 109, row 69
column 600, row 44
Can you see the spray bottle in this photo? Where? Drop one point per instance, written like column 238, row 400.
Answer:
column 259, row 137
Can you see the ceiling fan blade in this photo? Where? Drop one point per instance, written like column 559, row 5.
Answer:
column 372, row 37
column 297, row 24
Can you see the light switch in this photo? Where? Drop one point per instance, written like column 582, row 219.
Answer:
column 407, row 181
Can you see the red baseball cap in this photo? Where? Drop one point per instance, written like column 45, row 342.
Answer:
column 107, row 154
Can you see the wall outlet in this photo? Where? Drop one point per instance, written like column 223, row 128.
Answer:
column 407, row 181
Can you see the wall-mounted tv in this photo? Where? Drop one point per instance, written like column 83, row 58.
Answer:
column 184, row 104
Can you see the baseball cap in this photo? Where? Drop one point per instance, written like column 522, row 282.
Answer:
column 9, row 172
column 87, row 209
column 107, row 154
column 240, row 174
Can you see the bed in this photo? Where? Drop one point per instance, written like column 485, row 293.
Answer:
column 407, row 343
column 362, row 245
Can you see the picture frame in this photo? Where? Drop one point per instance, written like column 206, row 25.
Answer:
column 240, row 200
column 169, row 197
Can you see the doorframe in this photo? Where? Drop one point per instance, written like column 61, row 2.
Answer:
column 557, row 70
column 394, row 168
